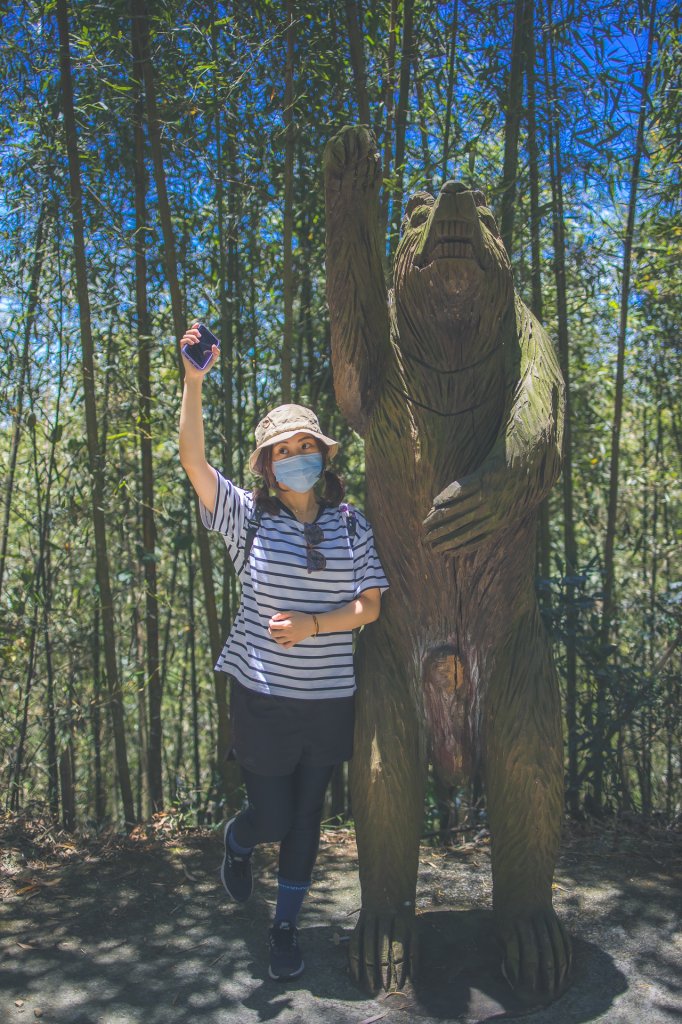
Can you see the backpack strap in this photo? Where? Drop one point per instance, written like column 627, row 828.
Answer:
column 351, row 521
column 252, row 530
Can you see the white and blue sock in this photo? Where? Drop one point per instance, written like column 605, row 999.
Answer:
column 290, row 896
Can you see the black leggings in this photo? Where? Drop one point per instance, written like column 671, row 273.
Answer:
column 285, row 809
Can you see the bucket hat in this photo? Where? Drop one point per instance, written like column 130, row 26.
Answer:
column 282, row 423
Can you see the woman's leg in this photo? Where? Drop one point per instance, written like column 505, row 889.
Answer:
column 288, row 808
column 298, row 850
column 270, row 813
column 285, row 808
column 267, row 819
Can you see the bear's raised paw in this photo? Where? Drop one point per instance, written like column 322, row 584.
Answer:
column 351, row 161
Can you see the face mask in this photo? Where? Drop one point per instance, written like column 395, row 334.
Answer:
column 298, row 471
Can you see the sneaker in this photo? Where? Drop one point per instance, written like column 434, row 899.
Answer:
column 236, row 872
column 285, row 956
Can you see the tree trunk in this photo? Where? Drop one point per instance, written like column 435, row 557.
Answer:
column 95, row 463
column 67, row 769
column 194, row 684
column 253, row 317
column 511, row 127
column 96, row 724
column 570, row 555
column 43, row 577
column 533, row 162
column 608, row 606
column 389, row 86
column 308, row 360
column 23, row 373
column 44, row 580
column 543, row 548
column 137, row 658
column 421, row 113
column 288, row 227
column 406, row 59
column 228, row 303
column 180, row 730
column 652, row 533
column 337, row 793
column 144, row 340
column 43, row 587
column 14, row 791
column 67, row 780
column 141, row 29
column 452, row 53
column 357, row 59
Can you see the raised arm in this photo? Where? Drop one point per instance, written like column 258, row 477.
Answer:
column 191, row 436
column 525, row 460
column 356, row 288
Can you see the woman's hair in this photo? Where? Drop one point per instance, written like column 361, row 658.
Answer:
column 334, row 490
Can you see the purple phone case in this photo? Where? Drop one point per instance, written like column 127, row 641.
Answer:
column 200, row 354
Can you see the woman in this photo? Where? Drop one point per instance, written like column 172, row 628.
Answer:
column 310, row 575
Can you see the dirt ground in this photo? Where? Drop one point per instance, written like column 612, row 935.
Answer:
column 113, row 930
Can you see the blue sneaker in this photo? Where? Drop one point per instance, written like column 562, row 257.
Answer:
column 285, row 956
column 236, row 872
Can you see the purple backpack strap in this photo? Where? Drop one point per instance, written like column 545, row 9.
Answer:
column 351, row 521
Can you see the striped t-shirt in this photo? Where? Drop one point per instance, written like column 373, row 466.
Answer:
column 275, row 578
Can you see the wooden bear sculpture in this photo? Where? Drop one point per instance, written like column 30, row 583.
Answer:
column 455, row 388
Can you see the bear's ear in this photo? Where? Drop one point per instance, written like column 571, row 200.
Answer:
column 479, row 197
column 419, row 201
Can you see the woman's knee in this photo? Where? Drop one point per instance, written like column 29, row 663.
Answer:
column 269, row 824
column 274, row 829
column 307, row 819
column 270, row 809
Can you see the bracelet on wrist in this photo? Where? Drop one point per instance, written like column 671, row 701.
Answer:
column 316, row 621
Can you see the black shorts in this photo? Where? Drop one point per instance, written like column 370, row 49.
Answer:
column 271, row 735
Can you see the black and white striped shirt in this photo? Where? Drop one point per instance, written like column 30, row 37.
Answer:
column 276, row 579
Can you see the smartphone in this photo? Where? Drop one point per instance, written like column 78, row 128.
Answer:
column 200, row 354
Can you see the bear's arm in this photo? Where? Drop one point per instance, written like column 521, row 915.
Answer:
column 524, row 461
column 356, row 288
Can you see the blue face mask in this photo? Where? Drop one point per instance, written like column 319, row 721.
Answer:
column 299, row 472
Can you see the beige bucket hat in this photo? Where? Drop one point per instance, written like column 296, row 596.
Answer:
column 282, row 423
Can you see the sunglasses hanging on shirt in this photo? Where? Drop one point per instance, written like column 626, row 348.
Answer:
column 313, row 535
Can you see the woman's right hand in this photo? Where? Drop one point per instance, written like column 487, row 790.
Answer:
column 191, row 337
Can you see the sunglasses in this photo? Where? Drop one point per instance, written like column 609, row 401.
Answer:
column 313, row 535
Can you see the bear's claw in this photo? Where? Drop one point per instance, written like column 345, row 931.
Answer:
column 536, row 956
column 383, row 951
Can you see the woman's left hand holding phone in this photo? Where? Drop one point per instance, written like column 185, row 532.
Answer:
column 191, row 338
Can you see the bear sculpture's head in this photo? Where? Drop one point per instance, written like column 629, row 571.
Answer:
column 452, row 278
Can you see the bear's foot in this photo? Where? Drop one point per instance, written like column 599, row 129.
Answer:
column 383, row 950
column 536, row 955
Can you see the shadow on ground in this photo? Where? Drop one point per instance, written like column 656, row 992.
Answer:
column 144, row 933
column 460, row 975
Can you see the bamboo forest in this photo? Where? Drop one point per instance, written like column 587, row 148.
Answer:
column 161, row 164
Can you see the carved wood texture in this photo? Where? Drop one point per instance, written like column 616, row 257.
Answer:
column 456, row 390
